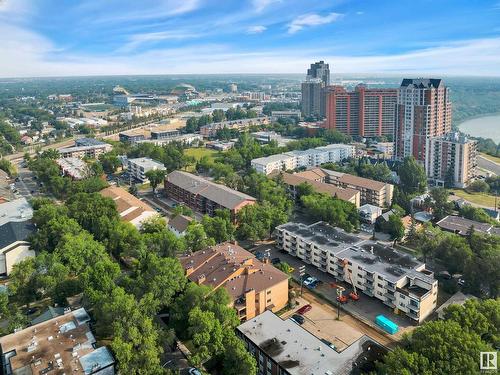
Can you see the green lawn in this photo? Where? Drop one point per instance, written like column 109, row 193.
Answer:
column 198, row 153
column 477, row 198
column 492, row 158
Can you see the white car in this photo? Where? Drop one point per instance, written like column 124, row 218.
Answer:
column 310, row 280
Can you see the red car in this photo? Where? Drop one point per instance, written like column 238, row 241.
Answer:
column 304, row 309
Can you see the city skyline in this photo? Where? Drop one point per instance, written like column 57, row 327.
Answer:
column 47, row 38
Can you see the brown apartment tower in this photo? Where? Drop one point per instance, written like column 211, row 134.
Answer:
column 423, row 111
column 363, row 112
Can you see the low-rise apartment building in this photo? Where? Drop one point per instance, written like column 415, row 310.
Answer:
column 398, row 280
column 371, row 192
column 282, row 347
column 15, row 229
column 309, row 158
column 130, row 208
column 204, row 196
column 293, row 180
column 86, row 147
column 138, row 167
column 451, row 160
column 61, row 345
column 253, row 286
column 75, row 168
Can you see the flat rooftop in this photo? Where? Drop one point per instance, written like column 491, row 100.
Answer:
column 62, row 345
column 461, row 225
column 370, row 255
column 147, row 163
column 17, row 210
column 300, row 352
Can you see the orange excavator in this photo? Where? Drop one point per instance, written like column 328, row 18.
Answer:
column 354, row 294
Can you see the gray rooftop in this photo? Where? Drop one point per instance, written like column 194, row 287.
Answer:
column 220, row 194
column 370, row 255
column 16, row 210
column 272, row 158
column 300, row 352
column 461, row 225
column 98, row 359
column 147, row 163
column 15, row 231
column 88, row 142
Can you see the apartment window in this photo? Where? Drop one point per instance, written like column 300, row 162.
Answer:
column 269, row 300
column 269, row 365
column 380, row 285
column 402, row 296
column 269, row 292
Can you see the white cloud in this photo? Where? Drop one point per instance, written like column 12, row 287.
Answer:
column 311, row 19
column 260, row 5
column 256, row 29
column 137, row 40
column 360, row 13
column 113, row 11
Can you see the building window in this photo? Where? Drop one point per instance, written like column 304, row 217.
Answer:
column 269, row 300
column 269, row 292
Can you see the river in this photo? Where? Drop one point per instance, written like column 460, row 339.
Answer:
column 484, row 127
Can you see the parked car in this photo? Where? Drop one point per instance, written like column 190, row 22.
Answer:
column 260, row 255
column 328, row 343
column 304, row 309
column 310, row 280
column 194, row 371
column 445, row 275
column 276, row 260
column 299, row 319
column 461, row 282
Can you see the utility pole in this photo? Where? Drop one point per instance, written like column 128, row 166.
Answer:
column 340, row 289
column 302, row 272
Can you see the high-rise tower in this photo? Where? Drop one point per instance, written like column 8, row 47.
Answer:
column 423, row 111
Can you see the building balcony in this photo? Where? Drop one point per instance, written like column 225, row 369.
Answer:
column 413, row 315
column 391, row 287
column 368, row 276
column 390, row 296
column 413, row 308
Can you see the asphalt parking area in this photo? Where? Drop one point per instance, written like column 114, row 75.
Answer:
column 323, row 324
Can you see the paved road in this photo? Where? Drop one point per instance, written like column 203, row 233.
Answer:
column 488, row 165
column 26, row 185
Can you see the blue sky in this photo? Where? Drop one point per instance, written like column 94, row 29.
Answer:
column 94, row 37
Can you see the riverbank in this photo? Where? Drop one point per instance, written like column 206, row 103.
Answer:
column 486, row 126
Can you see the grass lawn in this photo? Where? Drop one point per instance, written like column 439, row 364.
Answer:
column 198, row 153
column 494, row 159
column 477, row 198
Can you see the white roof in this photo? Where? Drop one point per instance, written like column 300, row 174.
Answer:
column 16, row 210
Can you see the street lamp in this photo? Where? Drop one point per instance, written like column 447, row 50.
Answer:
column 302, row 272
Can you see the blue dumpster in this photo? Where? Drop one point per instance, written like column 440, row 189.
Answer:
column 386, row 324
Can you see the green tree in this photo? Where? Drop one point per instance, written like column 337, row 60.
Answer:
column 196, row 238
column 162, row 277
column 207, row 335
column 219, row 227
column 237, row 360
column 437, row 348
column 412, row 176
column 155, row 177
column 439, row 203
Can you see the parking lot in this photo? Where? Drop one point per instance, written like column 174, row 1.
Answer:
column 322, row 323
column 366, row 309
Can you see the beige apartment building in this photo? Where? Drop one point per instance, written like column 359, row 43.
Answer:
column 371, row 192
column 253, row 286
column 398, row 280
column 294, row 180
column 451, row 160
